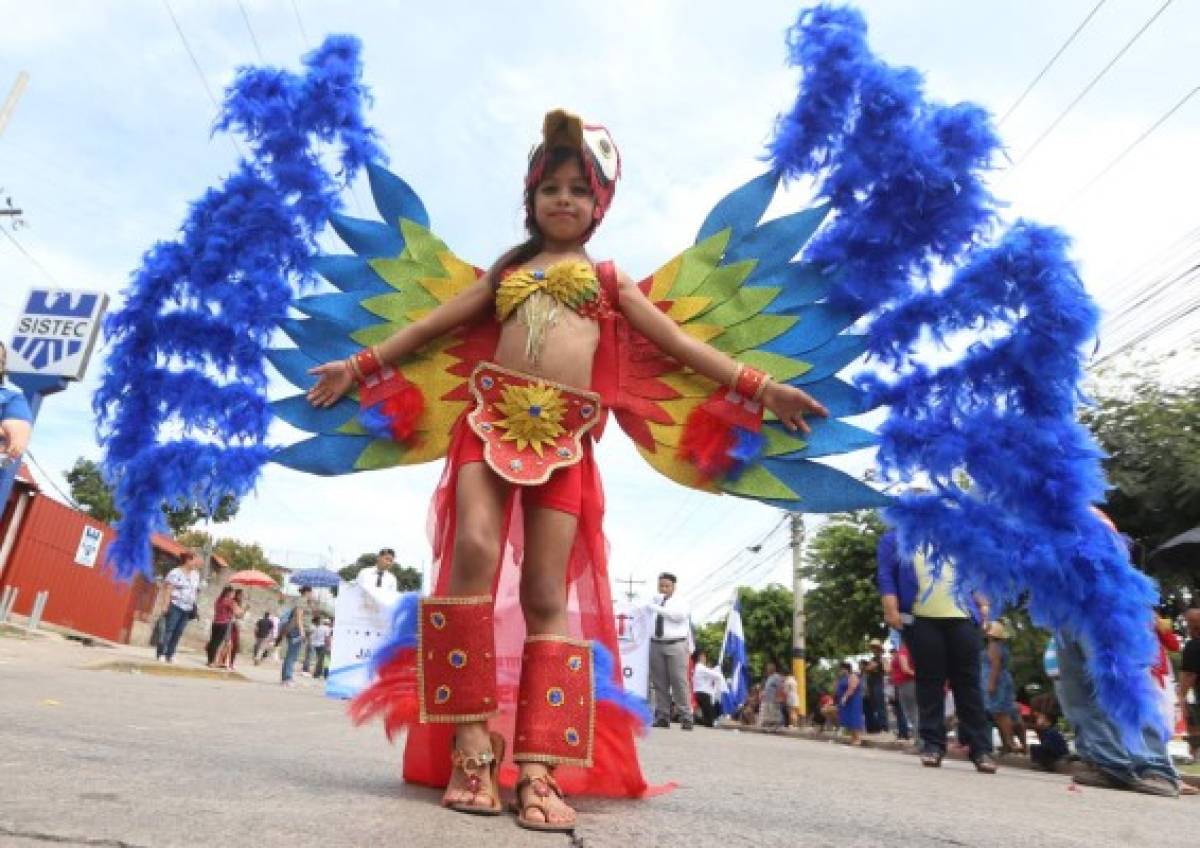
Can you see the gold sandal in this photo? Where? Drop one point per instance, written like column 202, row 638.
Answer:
column 477, row 768
column 543, row 786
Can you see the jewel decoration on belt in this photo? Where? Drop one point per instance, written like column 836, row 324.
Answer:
column 555, row 697
column 438, row 620
column 458, row 659
column 533, row 416
column 442, row 695
column 571, row 736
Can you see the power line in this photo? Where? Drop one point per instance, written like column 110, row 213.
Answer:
column 199, row 71
column 1087, row 88
column 50, row 480
column 8, row 235
column 250, row 29
column 1050, row 64
column 696, row 587
column 1104, row 172
column 300, row 24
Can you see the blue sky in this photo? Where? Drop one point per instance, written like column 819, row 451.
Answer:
column 111, row 141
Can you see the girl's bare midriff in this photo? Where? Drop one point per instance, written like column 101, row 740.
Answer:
column 566, row 355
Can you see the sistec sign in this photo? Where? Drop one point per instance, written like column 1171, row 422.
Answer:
column 56, row 332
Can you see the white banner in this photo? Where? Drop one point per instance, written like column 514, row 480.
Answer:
column 89, row 546
column 635, row 625
column 360, row 624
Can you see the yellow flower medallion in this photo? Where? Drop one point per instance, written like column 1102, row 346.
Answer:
column 533, row 415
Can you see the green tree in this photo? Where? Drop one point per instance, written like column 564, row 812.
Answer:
column 709, row 638
column 843, row 609
column 238, row 555
column 1151, row 433
column 408, row 579
column 90, row 490
column 767, row 626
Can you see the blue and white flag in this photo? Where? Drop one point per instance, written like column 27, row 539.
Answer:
column 735, row 649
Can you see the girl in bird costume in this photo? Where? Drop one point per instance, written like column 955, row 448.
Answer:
column 519, row 630
column 710, row 365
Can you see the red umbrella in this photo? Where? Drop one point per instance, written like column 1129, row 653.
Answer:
column 254, row 577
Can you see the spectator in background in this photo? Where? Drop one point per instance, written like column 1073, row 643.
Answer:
column 770, row 711
column 16, row 417
column 791, row 706
column 748, row 715
column 874, row 700
column 904, row 679
column 222, row 615
column 1189, row 679
column 708, row 684
column 999, row 692
column 945, row 646
column 263, row 628
column 320, row 643
column 669, row 654
column 228, row 651
column 377, row 580
column 849, row 698
column 184, row 581
column 291, row 633
column 826, row 714
column 1051, row 751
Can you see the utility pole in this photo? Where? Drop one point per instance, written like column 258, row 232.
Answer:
column 10, row 103
column 798, row 621
column 629, row 584
column 8, row 210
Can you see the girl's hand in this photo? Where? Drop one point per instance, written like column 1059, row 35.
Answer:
column 790, row 405
column 333, row 380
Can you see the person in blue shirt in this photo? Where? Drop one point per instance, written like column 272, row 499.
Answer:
column 16, row 418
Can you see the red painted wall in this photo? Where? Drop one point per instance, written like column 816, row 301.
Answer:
column 86, row 599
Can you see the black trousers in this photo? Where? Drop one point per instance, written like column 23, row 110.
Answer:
column 947, row 649
column 708, row 709
column 219, row 632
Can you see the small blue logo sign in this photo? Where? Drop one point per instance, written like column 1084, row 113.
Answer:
column 56, row 325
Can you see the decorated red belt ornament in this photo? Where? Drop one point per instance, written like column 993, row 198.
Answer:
column 529, row 426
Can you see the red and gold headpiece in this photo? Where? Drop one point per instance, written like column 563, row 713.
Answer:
column 601, row 159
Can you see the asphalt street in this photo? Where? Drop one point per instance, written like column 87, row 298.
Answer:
column 94, row 753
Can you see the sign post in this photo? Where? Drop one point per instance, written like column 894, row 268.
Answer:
column 54, row 338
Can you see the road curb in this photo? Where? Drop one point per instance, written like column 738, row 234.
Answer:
column 166, row 670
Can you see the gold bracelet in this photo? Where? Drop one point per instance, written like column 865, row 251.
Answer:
column 354, row 371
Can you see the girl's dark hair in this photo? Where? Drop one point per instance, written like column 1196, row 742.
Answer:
column 226, row 592
column 848, row 666
column 532, row 246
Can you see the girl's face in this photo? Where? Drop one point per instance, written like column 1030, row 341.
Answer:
column 563, row 204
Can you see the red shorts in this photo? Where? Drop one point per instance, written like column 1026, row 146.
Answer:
column 563, row 491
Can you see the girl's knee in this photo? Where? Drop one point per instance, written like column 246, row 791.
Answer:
column 476, row 553
column 542, row 600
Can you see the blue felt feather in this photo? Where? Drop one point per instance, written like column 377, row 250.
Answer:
column 350, row 274
column 610, row 689
column 299, row 412
column 324, row 455
column 741, row 209
column 394, row 198
column 369, row 239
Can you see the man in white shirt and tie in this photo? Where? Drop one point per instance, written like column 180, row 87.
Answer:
column 669, row 655
column 378, row 581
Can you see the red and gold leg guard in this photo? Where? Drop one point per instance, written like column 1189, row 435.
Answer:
column 456, row 665
column 556, row 707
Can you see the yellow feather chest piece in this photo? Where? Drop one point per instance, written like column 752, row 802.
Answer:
column 536, row 296
column 571, row 283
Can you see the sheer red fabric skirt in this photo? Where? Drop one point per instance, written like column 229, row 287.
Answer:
column 615, row 772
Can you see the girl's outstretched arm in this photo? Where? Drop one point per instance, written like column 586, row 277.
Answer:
column 789, row 404
column 335, row 378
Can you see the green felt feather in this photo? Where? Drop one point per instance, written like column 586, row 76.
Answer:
column 745, row 304
column 758, row 482
column 753, row 333
column 699, row 260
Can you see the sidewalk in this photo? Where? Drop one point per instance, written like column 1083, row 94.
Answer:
column 889, row 742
